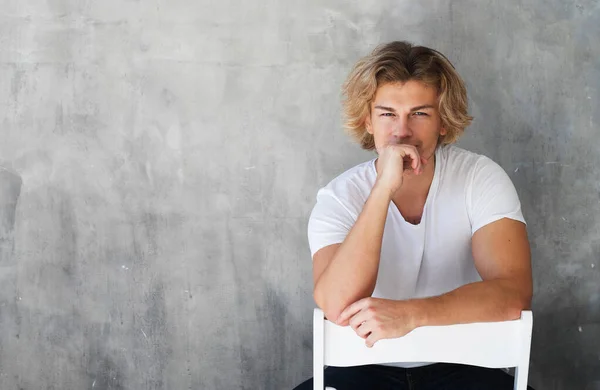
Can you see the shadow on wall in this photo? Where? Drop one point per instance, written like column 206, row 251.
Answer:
column 10, row 189
column 279, row 332
column 67, row 321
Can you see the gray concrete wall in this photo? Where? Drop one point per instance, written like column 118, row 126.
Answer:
column 161, row 159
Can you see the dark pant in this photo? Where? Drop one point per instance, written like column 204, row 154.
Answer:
column 440, row 376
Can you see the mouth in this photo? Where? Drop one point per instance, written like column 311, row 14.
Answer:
column 399, row 142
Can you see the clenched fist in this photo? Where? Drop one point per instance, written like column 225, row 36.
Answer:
column 395, row 161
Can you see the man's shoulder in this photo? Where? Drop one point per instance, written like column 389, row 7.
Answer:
column 353, row 184
column 465, row 162
column 475, row 169
column 456, row 155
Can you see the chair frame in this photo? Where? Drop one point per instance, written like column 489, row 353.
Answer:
column 486, row 344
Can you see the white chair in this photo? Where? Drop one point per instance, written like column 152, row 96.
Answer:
column 485, row 344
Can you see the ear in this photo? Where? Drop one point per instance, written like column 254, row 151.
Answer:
column 443, row 131
column 368, row 124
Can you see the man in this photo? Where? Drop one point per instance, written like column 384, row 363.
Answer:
column 426, row 233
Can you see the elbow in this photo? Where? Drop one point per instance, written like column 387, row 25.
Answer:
column 333, row 302
column 331, row 310
column 524, row 301
column 513, row 313
column 520, row 303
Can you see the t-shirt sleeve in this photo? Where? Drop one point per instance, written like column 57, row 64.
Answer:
column 492, row 195
column 329, row 222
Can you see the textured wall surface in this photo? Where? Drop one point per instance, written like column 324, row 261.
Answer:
column 160, row 160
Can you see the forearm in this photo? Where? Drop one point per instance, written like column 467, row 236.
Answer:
column 352, row 272
column 486, row 301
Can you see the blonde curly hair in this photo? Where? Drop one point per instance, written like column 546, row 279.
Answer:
column 400, row 62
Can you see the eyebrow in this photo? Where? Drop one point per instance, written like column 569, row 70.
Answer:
column 417, row 108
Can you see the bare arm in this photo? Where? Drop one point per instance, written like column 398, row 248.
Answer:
column 344, row 273
column 502, row 257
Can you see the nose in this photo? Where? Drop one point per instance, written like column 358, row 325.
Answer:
column 400, row 129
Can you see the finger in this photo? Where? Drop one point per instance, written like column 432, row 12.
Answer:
column 371, row 339
column 413, row 154
column 411, row 165
column 419, row 164
column 407, row 161
column 350, row 311
column 358, row 319
column 416, row 162
column 364, row 329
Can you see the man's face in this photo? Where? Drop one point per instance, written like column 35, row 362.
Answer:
column 406, row 113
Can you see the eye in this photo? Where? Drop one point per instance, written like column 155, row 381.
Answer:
column 387, row 114
column 420, row 113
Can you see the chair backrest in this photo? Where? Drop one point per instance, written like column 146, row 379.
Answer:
column 486, row 344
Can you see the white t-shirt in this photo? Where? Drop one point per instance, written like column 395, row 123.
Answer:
column 468, row 191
